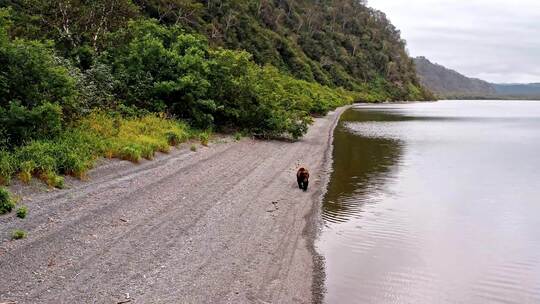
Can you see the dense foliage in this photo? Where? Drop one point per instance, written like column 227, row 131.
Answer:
column 263, row 67
column 334, row 42
column 160, row 69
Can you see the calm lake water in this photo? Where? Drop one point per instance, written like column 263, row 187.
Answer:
column 435, row 203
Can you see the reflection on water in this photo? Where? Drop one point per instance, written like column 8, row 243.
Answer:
column 361, row 165
column 435, row 203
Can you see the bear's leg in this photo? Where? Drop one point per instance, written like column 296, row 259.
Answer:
column 305, row 185
column 299, row 183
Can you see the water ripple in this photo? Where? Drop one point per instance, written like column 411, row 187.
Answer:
column 429, row 204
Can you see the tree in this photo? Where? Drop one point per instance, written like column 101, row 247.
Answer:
column 176, row 12
column 73, row 23
column 163, row 69
column 31, row 73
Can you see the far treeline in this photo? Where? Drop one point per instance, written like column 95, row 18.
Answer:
column 159, row 72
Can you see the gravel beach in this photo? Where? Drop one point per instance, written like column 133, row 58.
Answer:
column 225, row 224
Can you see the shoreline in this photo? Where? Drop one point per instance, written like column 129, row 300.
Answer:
column 313, row 218
column 224, row 224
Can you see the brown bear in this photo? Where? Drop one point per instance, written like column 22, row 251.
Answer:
column 302, row 177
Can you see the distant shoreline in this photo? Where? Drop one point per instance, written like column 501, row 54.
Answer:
column 491, row 98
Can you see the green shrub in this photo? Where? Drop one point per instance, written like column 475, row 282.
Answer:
column 193, row 148
column 52, row 179
column 173, row 76
column 22, row 212
column 18, row 234
column 148, row 151
column 8, row 167
column 26, row 170
column 237, row 136
column 72, row 153
column 58, row 182
column 6, row 201
column 42, row 154
column 47, row 159
column 204, row 138
column 77, row 150
column 173, row 138
column 131, row 152
column 22, row 125
column 34, row 75
column 74, row 163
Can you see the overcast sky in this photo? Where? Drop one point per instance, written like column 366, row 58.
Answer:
column 495, row 40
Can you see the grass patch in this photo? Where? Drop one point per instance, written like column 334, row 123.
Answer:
column 7, row 167
column 131, row 152
column 193, row 148
column 25, row 171
column 22, row 212
column 136, row 138
column 52, row 179
column 237, row 136
column 7, row 203
column 205, row 138
column 76, row 150
column 174, row 138
column 18, row 234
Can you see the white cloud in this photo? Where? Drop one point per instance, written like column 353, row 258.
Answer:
column 490, row 39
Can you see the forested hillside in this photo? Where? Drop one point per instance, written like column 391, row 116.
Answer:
column 336, row 43
column 157, row 72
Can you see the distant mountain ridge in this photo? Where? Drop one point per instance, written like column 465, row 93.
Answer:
column 515, row 89
column 449, row 84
